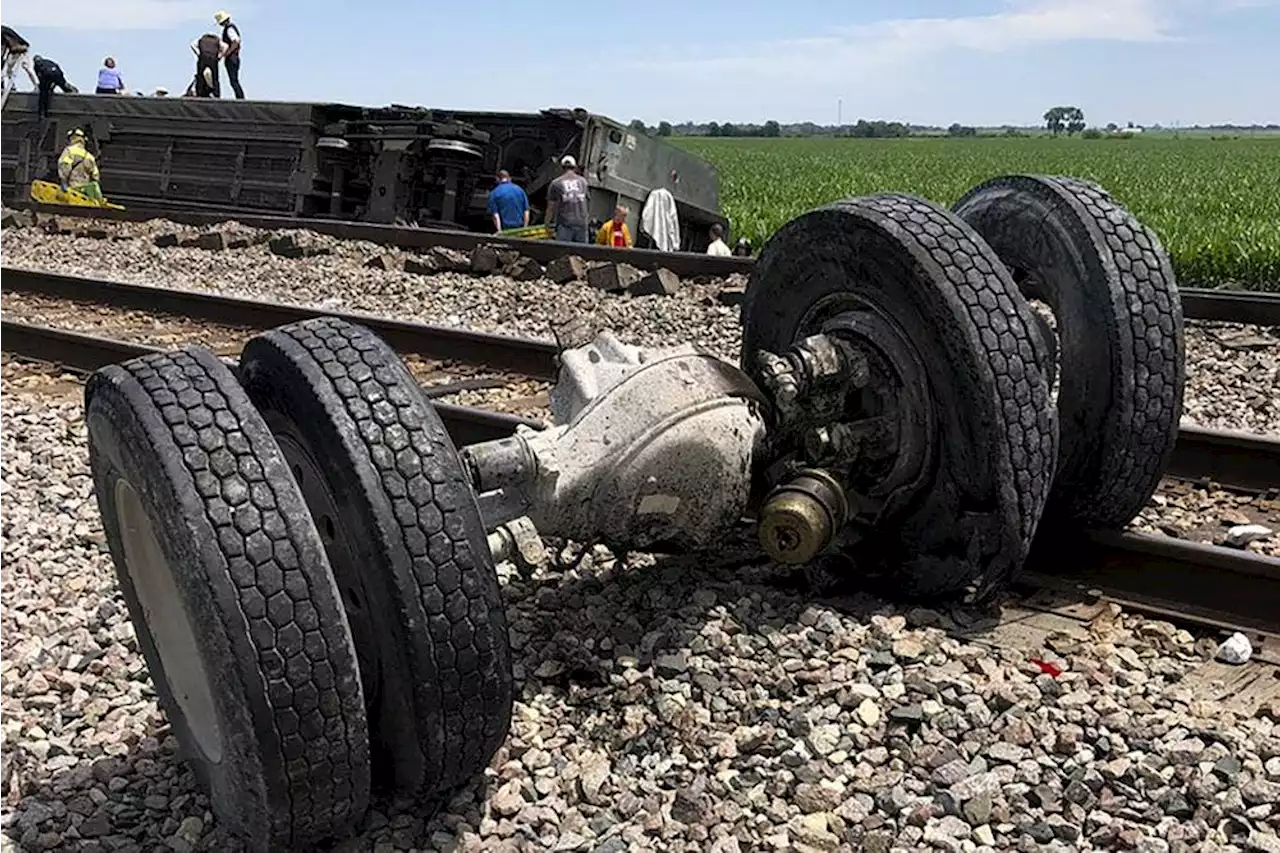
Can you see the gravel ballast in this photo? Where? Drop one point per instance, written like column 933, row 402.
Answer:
column 1233, row 370
column 675, row 704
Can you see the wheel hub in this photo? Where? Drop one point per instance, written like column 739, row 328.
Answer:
column 851, row 398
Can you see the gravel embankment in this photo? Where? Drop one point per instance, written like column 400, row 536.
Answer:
column 1234, row 370
column 681, row 705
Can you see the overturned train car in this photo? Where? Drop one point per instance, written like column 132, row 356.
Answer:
column 409, row 165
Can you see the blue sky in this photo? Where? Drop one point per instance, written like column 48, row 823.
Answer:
column 928, row 61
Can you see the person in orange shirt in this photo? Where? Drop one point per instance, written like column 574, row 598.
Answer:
column 615, row 232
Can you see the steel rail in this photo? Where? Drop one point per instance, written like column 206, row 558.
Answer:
column 1207, row 585
column 80, row 353
column 1239, row 460
column 518, row 355
column 1235, row 306
column 1229, row 305
column 1218, row 587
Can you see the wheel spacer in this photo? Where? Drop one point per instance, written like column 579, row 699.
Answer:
column 1121, row 369
column 966, row 523
column 231, row 598
column 408, row 546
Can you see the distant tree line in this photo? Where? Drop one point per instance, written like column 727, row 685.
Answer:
column 1068, row 120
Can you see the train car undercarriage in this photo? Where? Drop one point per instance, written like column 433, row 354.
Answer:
column 395, row 164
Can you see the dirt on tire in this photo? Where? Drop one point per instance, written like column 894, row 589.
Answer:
column 231, row 598
column 407, row 542
column 969, row 526
column 1121, row 351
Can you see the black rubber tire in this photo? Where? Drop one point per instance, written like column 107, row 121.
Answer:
column 971, row 525
column 1119, row 325
column 416, row 549
column 176, row 432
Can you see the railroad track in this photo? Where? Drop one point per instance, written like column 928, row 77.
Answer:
column 1214, row 587
column 1197, row 303
column 1241, row 461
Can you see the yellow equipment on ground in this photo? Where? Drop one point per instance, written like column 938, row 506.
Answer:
column 46, row 192
column 529, row 232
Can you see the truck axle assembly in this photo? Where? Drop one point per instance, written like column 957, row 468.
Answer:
column 309, row 560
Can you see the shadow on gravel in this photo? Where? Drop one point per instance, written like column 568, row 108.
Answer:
column 576, row 631
column 124, row 804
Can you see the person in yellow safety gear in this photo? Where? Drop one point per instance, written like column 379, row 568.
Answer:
column 78, row 169
column 615, row 232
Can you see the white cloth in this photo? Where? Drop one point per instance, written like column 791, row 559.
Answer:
column 660, row 220
column 719, row 249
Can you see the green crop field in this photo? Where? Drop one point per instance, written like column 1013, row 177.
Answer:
column 1214, row 203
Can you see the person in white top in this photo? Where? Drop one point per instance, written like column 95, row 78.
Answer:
column 718, row 246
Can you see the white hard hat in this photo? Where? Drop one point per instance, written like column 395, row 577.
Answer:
column 567, row 160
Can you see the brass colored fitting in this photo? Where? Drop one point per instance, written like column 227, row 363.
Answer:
column 802, row 517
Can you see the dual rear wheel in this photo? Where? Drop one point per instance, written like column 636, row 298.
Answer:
column 308, row 575
column 1033, row 422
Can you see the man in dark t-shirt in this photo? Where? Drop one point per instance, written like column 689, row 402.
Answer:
column 49, row 76
column 567, row 203
column 208, row 49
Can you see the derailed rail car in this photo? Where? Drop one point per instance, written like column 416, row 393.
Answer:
column 393, row 164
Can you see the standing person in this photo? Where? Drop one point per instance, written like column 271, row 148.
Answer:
column 508, row 204
column 615, row 232
column 567, row 203
column 109, row 80
column 49, row 76
column 15, row 57
column 718, row 246
column 77, row 168
column 207, row 49
column 231, row 51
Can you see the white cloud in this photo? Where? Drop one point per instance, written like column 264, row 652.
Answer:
column 111, row 15
column 867, row 52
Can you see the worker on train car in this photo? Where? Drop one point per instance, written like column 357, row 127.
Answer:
column 109, row 80
column 508, row 204
column 78, row 168
column 230, row 51
column 49, row 76
column 15, row 56
column 207, row 49
column 614, row 232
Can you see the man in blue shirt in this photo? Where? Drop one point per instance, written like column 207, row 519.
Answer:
column 508, row 204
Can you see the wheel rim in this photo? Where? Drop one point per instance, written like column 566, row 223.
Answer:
column 167, row 621
column 898, row 388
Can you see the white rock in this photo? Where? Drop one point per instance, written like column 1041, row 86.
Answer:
column 1242, row 534
column 1236, row 649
